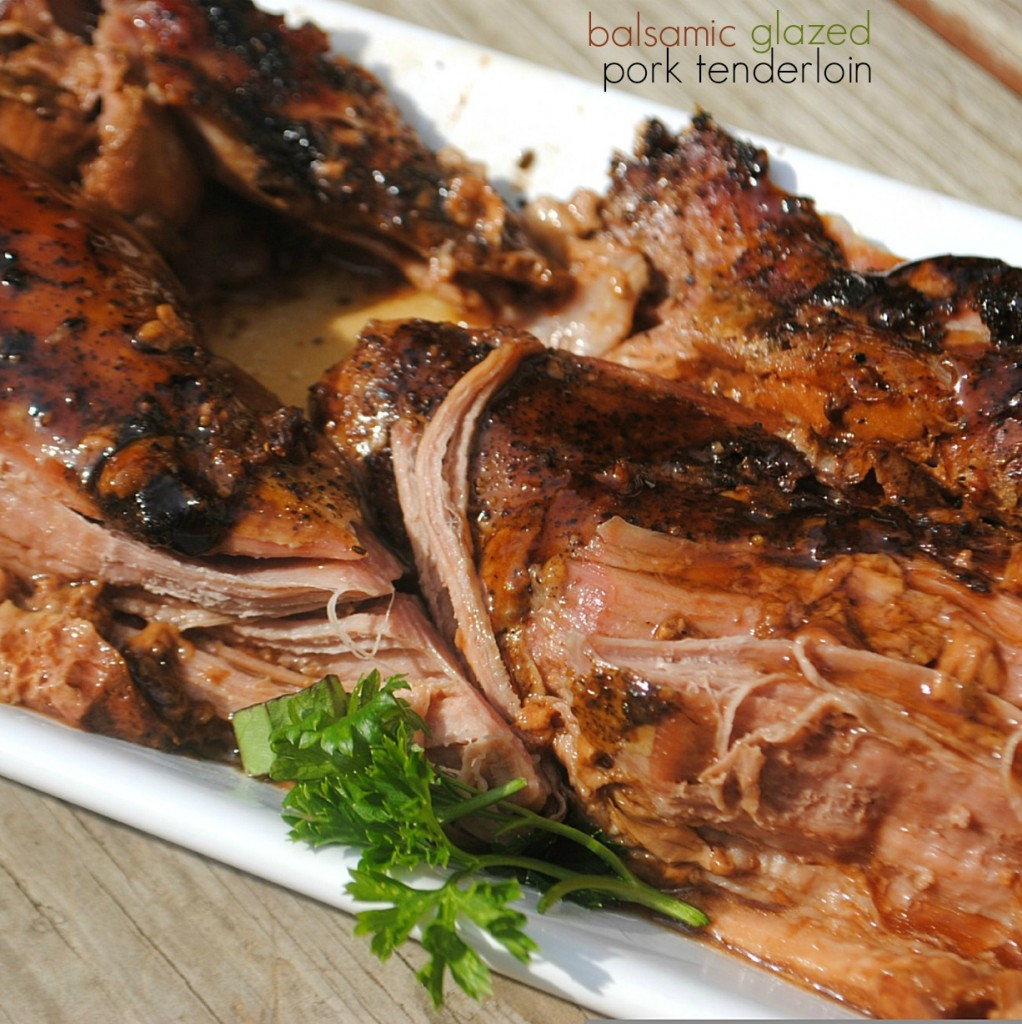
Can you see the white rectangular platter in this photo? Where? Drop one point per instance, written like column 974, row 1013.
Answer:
column 614, row 964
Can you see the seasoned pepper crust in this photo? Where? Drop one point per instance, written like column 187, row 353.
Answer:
column 708, row 467
column 357, row 401
column 173, row 544
column 105, row 380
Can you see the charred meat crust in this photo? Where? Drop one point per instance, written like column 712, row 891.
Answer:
column 700, row 201
column 660, row 453
column 226, row 545
column 668, row 459
column 151, row 433
column 903, row 378
column 357, row 401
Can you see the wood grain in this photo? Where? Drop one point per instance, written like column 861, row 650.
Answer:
column 989, row 34
column 99, row 923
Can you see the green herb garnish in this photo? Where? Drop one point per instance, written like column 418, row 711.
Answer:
column 362, row 779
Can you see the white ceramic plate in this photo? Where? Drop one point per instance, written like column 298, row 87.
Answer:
column 615, row 964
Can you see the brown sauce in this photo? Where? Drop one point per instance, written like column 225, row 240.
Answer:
column 289, row 332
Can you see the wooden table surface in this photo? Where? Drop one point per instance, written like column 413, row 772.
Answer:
column 101, row 923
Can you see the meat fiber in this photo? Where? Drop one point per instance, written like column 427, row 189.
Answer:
column 176, row 544
column 798, row 704
column 139, row 98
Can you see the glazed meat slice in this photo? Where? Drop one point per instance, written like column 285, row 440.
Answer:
column 147, row 96
column 318, row 138
column 110, row 397
column 176, row 544
column 358, row 401
column 903, row 378
column 802, row 710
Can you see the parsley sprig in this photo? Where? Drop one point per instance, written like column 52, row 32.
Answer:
column 361, row 778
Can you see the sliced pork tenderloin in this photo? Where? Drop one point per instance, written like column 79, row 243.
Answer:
column 781, row 701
